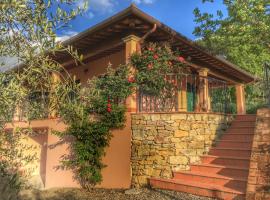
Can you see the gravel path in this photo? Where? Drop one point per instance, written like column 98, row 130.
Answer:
column 102, row 194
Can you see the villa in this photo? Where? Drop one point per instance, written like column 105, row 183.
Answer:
column 192, row 144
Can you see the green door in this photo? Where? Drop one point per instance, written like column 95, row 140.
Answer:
column 190, row 97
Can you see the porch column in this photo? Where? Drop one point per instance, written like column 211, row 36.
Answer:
column 55, row 79
column 182, row 96
column 240, row 99
column 203, row 95
column 131, row 42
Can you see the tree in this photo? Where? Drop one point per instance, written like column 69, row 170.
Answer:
column 242, row 36
column 28, row 33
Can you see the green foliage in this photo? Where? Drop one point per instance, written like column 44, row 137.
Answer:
column 95, row 110
column 13, row 156
column 155, row 62
column 241, row 36
column 28, row 32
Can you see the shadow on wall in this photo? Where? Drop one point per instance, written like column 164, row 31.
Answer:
column 69, row 155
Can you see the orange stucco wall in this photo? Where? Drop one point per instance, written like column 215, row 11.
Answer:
column 97, row 67
column 117, row 174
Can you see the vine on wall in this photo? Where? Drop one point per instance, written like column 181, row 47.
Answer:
column 99, row 107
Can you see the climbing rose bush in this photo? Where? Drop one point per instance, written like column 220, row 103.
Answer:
column 153, row 64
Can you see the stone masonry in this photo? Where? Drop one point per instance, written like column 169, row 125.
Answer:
column 259, row 173
column 163, row 143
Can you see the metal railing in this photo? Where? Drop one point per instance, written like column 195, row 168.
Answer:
column 267, row 83
column 185, row 95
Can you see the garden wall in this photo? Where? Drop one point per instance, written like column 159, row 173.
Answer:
column 162, row 143
column 259, row 172
column 117, row 174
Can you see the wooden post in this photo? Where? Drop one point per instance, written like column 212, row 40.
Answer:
column 203, row 93
column 17, row 114
column 55, row 79
column 130, row 48
column 182, row 96
column 240, row 99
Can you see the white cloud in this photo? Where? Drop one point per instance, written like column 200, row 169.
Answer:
column 102, row 6
column 143, row 1
column 66, row 35
column 106, row 6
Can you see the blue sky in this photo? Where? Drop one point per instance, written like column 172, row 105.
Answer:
column 178, row 14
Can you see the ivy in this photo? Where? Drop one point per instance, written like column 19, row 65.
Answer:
column 99, row 107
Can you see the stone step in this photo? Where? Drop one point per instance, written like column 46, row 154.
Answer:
column 240, row 152
column 226, row 160
column 213, row 179
column 240, row 130
column 234, row 144
column 230, row 171
column 245, row 117
column 200, row 189
column 238, row 137
column 243, row 125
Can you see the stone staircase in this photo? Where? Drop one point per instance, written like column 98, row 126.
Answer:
column 223, row 173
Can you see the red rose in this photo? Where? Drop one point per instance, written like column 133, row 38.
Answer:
column 150, row 49
column 181, row 59
column 109, row 105
column 109, row 110
column 150, row 66
column 131, row 79
column 155, row 56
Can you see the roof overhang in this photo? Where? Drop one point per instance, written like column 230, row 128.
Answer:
column 134, row 21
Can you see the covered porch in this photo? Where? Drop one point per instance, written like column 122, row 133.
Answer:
column 197, row 91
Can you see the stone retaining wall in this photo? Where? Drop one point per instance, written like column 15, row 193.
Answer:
column 259, row 172
column 162, row 143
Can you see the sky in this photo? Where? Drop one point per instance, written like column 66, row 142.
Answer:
column 177, row 14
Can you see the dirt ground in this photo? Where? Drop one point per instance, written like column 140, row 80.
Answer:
column 102, row 194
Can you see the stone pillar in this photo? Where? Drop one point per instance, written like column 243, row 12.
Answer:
column 203, row 93
column 258, row 179
column 55, row 79
column 131, row 42
column 240, row 99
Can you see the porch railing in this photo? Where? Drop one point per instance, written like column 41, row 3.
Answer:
column 267, row 83
column 184, row 96
column 36, row 106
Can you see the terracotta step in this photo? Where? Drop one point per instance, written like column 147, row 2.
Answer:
column 242, row 125
column 246, row 117
column 240, row 131
column 240, row 122
column 213, row 179
column 238, row 137
column 230, row 171
column 226, row 160
column 234, row 144
column 201, row 189
column 240, row 152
